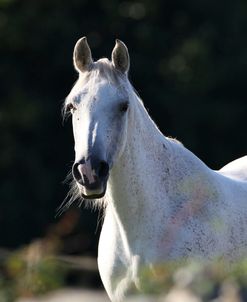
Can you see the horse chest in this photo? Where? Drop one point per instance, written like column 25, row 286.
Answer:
column 121, row 262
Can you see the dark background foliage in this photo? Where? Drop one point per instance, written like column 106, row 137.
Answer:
column 188, row 63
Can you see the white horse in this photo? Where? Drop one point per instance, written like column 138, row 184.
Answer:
column 161, row 202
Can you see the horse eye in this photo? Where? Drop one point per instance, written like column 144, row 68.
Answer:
column 70, row 108
column 124, row 107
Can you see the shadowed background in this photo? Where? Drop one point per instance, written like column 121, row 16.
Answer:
column 188, row 63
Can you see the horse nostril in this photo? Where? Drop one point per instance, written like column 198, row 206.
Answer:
column 103, row 169
column 76, row 173
column 86, row 175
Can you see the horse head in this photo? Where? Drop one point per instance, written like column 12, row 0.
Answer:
column 99, row 104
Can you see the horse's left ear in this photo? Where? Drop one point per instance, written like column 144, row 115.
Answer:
column 120, row 57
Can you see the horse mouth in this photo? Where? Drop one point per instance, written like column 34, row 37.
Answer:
column 93, row 193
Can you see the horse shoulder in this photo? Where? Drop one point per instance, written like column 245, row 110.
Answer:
column 236, row 169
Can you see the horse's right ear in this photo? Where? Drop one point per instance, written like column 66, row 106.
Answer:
column 82, row 56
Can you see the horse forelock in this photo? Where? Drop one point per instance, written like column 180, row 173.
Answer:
column 102, row 69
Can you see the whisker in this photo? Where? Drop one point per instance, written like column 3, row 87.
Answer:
column 72, row 196
column 69, row 178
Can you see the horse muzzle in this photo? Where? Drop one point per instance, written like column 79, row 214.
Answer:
column 91, row 175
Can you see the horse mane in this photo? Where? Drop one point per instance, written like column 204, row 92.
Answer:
column 172, row 139
column 105, row 69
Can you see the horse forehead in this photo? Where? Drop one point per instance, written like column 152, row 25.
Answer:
column 102, row 97
column 104, row 88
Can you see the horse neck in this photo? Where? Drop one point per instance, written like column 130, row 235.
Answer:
column 153, row 176
column 136, row 175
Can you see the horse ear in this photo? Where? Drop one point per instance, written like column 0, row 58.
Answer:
column 120, row 57
column 82, row 56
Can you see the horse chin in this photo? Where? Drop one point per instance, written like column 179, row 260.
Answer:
column 93, row 194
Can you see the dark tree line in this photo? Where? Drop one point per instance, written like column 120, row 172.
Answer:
column 188, row 62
